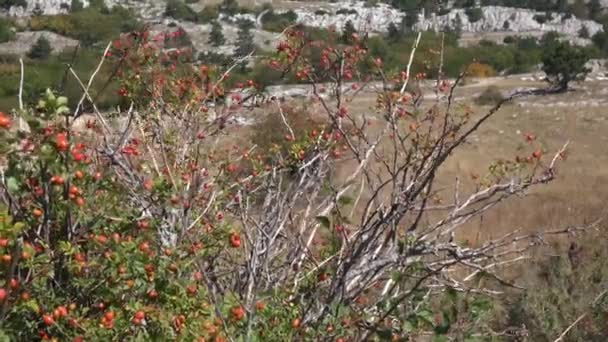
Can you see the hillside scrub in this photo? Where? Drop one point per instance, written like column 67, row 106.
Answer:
column 157, row 221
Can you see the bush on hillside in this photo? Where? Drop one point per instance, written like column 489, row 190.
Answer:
column 474, row 14
column 89, row 26
column 491, row 96
column 178, row 9
column 160, row 221
column 277, row 22
column 41, row 49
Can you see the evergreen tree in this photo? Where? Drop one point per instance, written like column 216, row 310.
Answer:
column 393, row 32
column 410, row 19
column 7, row 4
column 6, row 31
column 244, row 42
column 458, row 24
column 76, row 6
column 216, row 37
column 579, row 9
column 594, row 8
column 584, row 32
column 564, row 63
column 41, row 49
column 347, row 32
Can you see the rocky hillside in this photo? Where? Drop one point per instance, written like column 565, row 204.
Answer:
column 374, row 19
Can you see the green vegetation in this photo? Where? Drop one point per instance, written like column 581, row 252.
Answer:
column 76, row 6
column 6, row 32
column 474, row 14
column 564, row 63
column 90, row 25
column 216, row 37
column 491, row 96
column 51, row 73
column 6, row 4
column 244, row 43
column 177, row 9
column 208, row 14
column 275, row 22
column 41, row 49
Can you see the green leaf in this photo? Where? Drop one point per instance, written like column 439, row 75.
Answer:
column 426, row 316
column 324, row 220
column 4, row 337
column 407, row 326
column 345, row 200
column 12, row 184
column 32, row 305
column 62, row 101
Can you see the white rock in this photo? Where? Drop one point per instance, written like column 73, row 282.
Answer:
column 520, row 21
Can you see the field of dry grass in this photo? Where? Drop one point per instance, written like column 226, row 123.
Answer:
column 579, row 193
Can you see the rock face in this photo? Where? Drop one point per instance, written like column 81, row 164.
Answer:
column 366, row 19
column 374, row 19
column 48, row 7
column 519, row 20
column 24, row 40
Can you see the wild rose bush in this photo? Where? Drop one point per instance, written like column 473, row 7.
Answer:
column 148, row 224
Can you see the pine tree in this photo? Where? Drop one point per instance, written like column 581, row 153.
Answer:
column 458, row 24
column 410, row 19
column 579, row 9
column 595, row 10
column 244, row 42
column 41, row 49
column 348, row 31
column 393, row 32
column 76, row 6
column 216, row 37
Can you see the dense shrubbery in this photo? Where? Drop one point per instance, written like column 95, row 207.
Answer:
column 178, row 9
column 89, row 26
column 491, row 96
column 149, row 223
column 277, row 22
column 6, row 32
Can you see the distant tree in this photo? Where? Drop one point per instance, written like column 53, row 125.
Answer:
column 37, row 11
column 474, row 14
column 6, row 31
column 584, row 32
column 549, row 39
column 208, row 14
column 230, row 7
column 457, row 24
column 579, row 9
column 594, row 8
column 216, row 37
column 600, row 40
column 410, row 19
column 178, row 9
column 76, row 6
column 430, row 7
column 564, row 63
column 41, row 49
column 561, row 6
column 244, row 42
column 393, row 32
column 6, row 4
column 509, row 40
column 464, row 3
column 347, row 31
